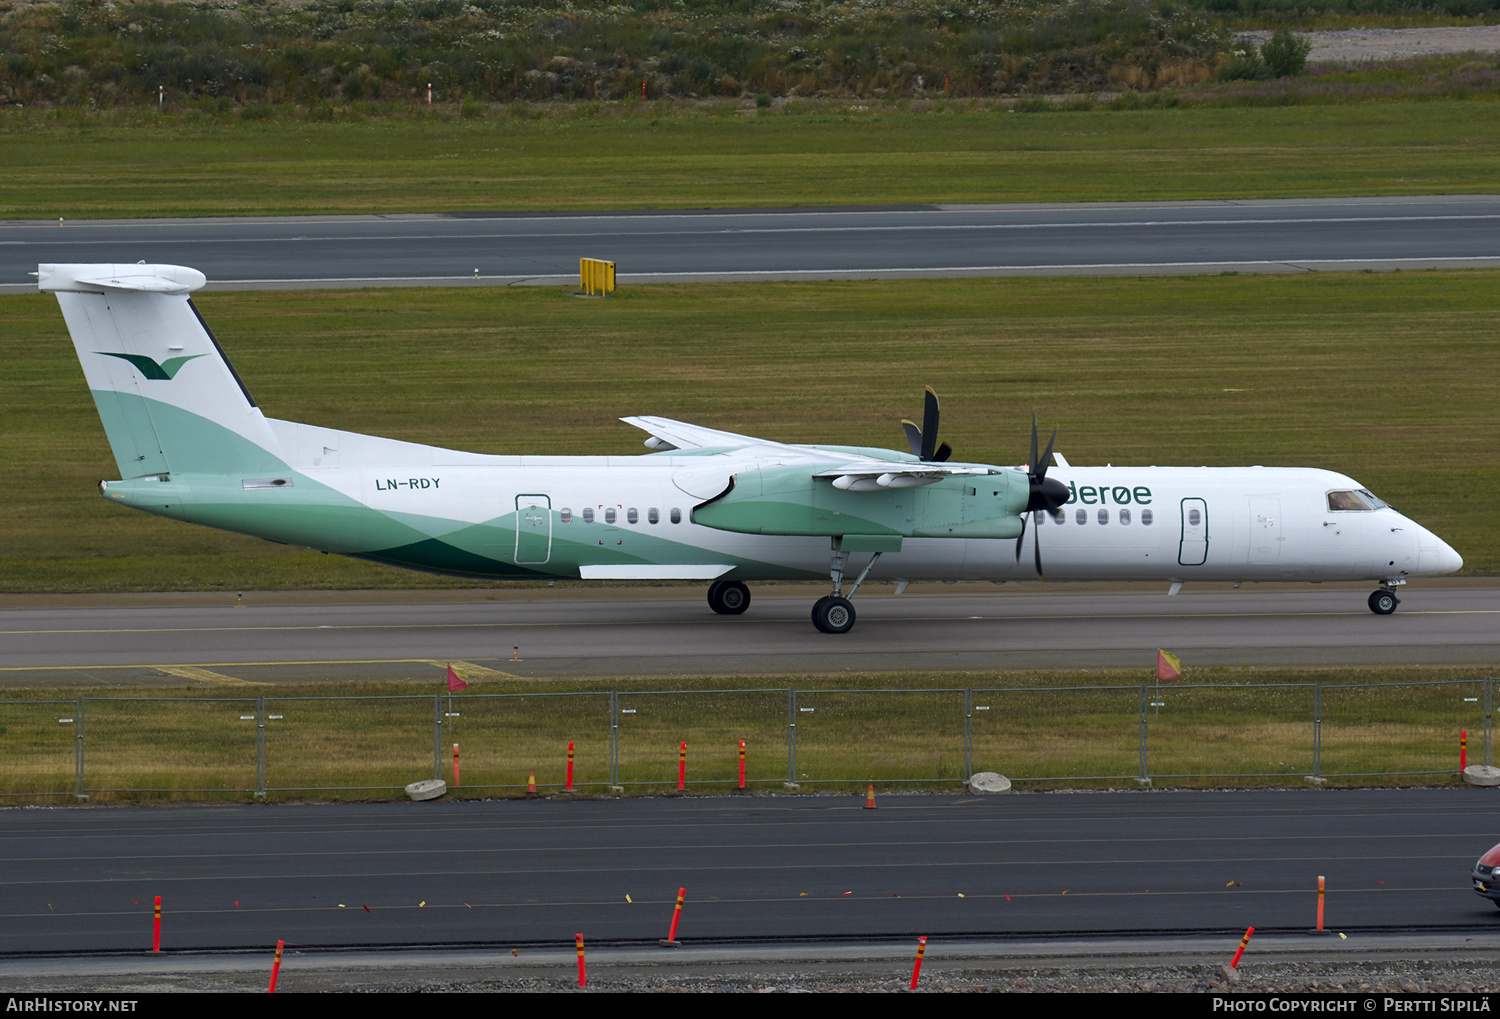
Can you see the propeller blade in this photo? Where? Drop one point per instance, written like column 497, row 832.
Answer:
column 929, row 425
column 1039, row 467
column 1036, row 541
column 1022, row 536
column 1031, row 463
column 913, row 436
column 944, row 451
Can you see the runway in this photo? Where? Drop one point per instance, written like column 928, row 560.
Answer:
column 577, row 632
column 1129, row 238
column 788, row 868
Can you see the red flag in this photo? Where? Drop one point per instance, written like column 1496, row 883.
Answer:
column 454, row 683
column 1168, row 666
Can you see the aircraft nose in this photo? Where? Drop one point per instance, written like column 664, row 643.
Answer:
column 1435, row 556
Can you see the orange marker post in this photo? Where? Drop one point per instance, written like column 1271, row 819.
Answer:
column 1463, row 749
column 682, row 767
column 455, row 765
column 1320, row 903
column 672, row 941
column 275, row 968
column 1243, row 942
column 570, row 768
column 583, row 977
column 156, row 928
column 916, row 971
column 742, row 765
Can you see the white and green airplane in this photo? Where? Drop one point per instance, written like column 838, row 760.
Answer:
column 705, row 505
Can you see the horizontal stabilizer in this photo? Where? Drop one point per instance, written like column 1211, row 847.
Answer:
column 106, row 279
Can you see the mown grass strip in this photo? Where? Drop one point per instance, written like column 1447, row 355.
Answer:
column 848, row 157
column 1393, row 379
column 357, row 740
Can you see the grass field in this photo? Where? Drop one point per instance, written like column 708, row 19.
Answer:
column 590, row 158
column 364, row 740
column 1391, row 378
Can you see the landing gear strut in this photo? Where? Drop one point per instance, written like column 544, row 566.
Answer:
column 728, row 597
column 834, row 613
column 1384, row 601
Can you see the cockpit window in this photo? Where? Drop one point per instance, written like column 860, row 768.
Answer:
column 1347, row 501
column 1370, row 498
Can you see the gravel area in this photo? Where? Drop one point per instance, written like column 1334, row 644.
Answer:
column 1360, row 44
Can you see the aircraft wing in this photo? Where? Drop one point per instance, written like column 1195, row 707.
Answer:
column 671, row 434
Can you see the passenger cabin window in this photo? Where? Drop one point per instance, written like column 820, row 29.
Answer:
column 609, row 515
column 676, row 515
column 1038, row 517
column 1104, row 516
column 1145, row 518
column 631, row 515
column 566, row 515
column 653, row 515
column 1343, row 502
column 588, row 514
column 1124, row 516
column 1082, row 516
column 1194, row 518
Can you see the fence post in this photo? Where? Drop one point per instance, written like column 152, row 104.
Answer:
column 968, row 734
column 78, row 749
column 437, row 736
column 1317, row 729
column 614, row 739
column 260, row 748
column 791, row 737
column 1489, row 693
column 1143, row 778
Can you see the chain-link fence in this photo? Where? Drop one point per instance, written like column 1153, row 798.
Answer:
column 717, row 740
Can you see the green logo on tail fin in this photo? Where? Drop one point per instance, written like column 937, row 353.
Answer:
column 162, row 372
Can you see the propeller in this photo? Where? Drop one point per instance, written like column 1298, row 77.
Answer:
column 923, row 441
column 1044, row 495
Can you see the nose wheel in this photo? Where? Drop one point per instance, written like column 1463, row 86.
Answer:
column 1384, row 601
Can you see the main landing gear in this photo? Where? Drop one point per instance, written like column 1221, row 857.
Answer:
column 1384, row 601
column 834, row 613
column 728, row 597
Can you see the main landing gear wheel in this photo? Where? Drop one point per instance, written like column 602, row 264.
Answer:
column 833, row 614
column 728, row 597
column 1383, row 602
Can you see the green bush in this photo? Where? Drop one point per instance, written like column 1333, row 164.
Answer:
column 1245, row 65
column 1285, row 54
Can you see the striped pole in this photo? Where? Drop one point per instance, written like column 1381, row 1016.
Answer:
column 583, row 977
column 1243, row 942
column 742, row 765
column 917, row 969
column 275, row 968
column 156, row 928
column 671, row 941
column 1320, row 902
column 1463, row 749
column 570, row 769
column 455, row 765
column 682, row 767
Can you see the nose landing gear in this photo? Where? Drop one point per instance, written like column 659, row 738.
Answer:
column 1384, row 601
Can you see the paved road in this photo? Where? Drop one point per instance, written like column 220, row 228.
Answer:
column 568, row 633
column 517, row 873
column 1127, row 238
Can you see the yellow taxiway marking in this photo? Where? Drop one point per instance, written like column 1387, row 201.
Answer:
column 545, row 624
column 204, row 676
column 472, row 671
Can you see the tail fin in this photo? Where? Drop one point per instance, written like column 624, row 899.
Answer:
column 167, row 395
